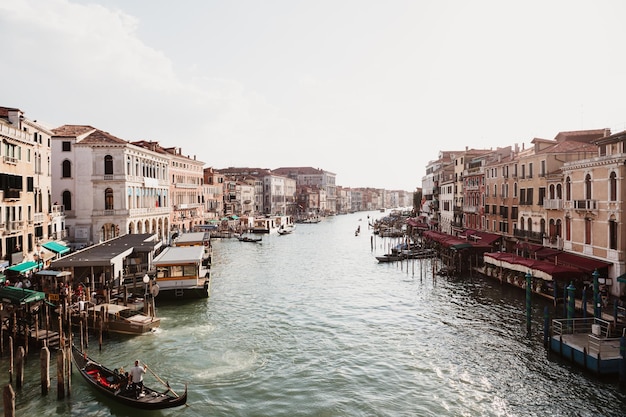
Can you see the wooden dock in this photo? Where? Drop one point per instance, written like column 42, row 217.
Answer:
column 588, row 342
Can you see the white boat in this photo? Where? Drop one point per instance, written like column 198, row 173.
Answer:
column 286, row 229
column 115, row 318
column 270, row 224
column 181, row 273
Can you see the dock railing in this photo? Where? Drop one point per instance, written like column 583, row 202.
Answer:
column 598, row 332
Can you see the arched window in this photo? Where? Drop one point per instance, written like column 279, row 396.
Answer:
column 612, row 233
column 613, row 187
column 108, row 165
column 559, row 191
column 67, row 200
column 67, row 169
column 588, row 187
column 568, row 189
column 108, row 199
column 530, row 224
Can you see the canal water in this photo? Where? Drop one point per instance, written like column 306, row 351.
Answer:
column 310, row 324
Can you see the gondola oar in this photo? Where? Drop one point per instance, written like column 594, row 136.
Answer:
column 160, row 380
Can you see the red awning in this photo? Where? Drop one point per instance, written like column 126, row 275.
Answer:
column 577, row 261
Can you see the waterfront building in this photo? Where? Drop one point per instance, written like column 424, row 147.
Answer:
column 308, row 176
column 28, row 216
column 108, row 186
column 474, row 188
column 213, row 195
column 446, row 205
column 187, row 178
column 593, row 190
column 275, row 194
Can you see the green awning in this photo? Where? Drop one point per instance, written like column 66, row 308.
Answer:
column 56, row 247
column 622, row 278
column 24, row 267
column 19, row 296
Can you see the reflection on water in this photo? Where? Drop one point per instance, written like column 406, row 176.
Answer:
column 309, row 324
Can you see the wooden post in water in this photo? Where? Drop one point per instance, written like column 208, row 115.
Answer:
column 60, row 374
column 68, row 368
column 61, row 335
column 1, row 341
column 14, row 328
column 8, row 399
column 19, row 368
column 44, row 362
column 101, row 325
column 10, row 358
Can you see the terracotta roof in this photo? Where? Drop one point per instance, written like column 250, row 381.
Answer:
column 99, row 136
column 72, row 130
column 297, row 170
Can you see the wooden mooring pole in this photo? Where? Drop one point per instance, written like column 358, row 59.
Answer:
column 19, row 367
column 44, row 362
column 61, row 374
column 8, row 399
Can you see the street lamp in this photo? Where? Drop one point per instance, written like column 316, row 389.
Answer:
column 146, row 280
column 597, row 307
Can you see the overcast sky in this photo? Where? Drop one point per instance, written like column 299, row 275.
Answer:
column 368, row 90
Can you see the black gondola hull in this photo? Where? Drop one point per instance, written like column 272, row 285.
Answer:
column 111, row 385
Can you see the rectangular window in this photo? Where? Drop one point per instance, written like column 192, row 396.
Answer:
column 66, row 146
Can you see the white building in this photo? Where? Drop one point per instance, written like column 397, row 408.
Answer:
column 108, row 186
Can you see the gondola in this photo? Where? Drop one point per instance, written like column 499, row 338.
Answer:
column 112, row 385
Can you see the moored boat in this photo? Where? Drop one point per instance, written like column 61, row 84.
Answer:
column 114, row 385
column 115, row 318
column 181, row 273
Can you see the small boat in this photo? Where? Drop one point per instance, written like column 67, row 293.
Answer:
column 113, row 385
column 286, row 229
column 250, row 239
column 389, row 257
column 117, row 318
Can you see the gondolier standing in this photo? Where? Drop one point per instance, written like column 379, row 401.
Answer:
column 136, row 375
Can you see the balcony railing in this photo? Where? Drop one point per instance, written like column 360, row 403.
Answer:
column 534, row 236
column 585, row 204
column 553, row 204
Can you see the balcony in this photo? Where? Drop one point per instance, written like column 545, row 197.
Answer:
column 149, row 211
column 553, row 204
column 585, row 205
column 108, row 213
column 536, row 237
column 38, row 218
column 16, row 225
column 9, row 160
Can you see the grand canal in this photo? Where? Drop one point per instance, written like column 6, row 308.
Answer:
column 309, row 324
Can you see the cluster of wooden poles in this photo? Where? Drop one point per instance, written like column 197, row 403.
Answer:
column 18, row 358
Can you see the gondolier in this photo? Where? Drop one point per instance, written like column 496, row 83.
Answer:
column 136, row 375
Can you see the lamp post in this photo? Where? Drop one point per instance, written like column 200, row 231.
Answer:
column 146, row 280
column 597, row 308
